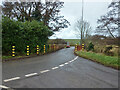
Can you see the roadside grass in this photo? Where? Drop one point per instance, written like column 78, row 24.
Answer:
column 109, row 61
column 9, row 57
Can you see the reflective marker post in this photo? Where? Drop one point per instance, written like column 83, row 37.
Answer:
column 27, row 50
column 83, row 47
column 44, row 49
column 13, row 51
column 76, row 48
column 37, row 49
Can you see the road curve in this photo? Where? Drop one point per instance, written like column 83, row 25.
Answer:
column 61, row 69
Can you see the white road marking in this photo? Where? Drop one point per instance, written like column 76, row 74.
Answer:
column 54, row 68
column 70, row 61
column 75, row 58
column 61, row 65
column 1, row 86
column 44, row 71
column 66, row 63
column 15, row 78
column 32, row 74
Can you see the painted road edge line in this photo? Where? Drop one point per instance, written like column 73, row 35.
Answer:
column 54, row 68
column 15, row 78
column 5, row 87
column 32, row 74
column 44, row 71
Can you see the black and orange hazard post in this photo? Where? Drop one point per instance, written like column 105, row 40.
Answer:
column 13, row 51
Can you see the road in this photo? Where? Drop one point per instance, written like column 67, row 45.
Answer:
column 61, row 69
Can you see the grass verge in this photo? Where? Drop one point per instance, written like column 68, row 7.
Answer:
column 8, row 57
column 100, row 58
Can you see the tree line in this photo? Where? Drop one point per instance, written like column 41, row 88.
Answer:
column 48, row 12
column 30, row 23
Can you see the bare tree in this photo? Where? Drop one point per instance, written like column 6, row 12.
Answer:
column 48, row 13
column 20, row 11
column 82, row 32
column 109, row 23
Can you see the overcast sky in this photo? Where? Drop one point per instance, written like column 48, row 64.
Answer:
column 93, row 9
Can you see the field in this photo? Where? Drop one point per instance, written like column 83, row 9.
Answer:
column 72, row 41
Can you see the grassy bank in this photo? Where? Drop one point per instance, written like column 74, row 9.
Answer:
column 100, row 58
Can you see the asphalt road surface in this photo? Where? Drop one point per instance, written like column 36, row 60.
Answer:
column 61, row 69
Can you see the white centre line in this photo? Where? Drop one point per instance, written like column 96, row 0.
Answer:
column 70, row 61
column 75, row 58
column 44, row 71
column 15, row 78
column 1, row 86
column 66, row 63
column 54, row 68
column 61, row 65
column 32, row 74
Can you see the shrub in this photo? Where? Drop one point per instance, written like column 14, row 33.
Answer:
column 107, row 50
column 90, row 47
column 22, row 34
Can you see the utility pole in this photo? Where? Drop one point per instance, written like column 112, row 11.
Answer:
column 119, row 17
column 82, row 23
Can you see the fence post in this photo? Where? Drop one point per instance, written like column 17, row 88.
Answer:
column 37, row 49
column 75, row 47
column 13, row 51
column 44, row 49
column 28, row 51
column 82, row 47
